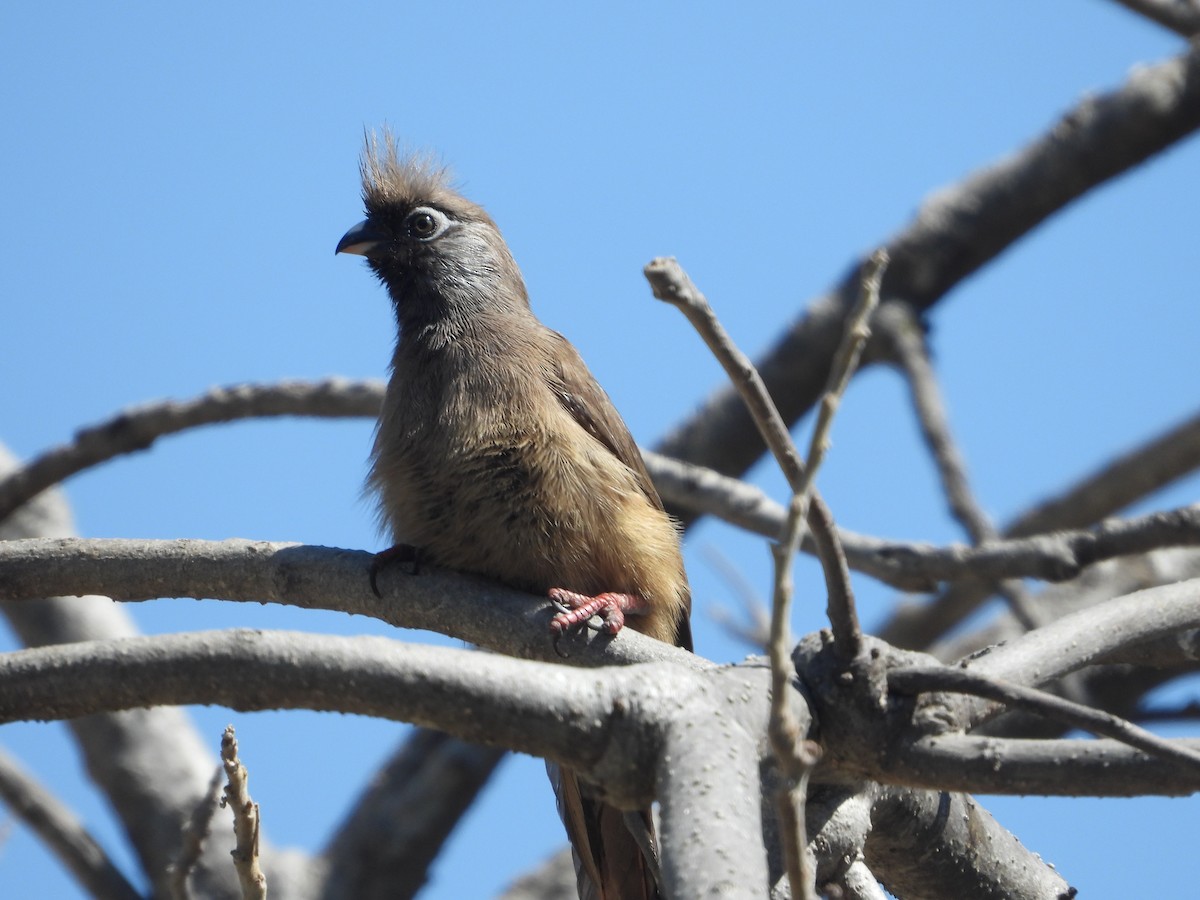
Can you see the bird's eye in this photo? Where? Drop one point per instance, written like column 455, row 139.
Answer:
column 425, row 223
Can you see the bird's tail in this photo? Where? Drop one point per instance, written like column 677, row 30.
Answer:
column 614, row 851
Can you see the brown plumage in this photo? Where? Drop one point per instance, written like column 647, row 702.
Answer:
column 498, row 453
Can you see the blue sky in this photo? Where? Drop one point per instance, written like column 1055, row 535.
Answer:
column 176, row 179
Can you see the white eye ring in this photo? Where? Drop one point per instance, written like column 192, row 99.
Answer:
column 426, row 223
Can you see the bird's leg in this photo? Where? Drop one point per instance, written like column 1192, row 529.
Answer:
column 399, row 553
column 577, row 608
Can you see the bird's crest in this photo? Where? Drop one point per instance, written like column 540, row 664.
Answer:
column 396, row 176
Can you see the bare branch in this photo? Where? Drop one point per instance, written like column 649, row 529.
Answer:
column 540, row 708
column 1125, row 480
column 908, row 344
column 948, row 678
column 246, row 820
column 902, row 331
column 671, row 284
column 62, row 832
column 1083, row 637
column 138, row 428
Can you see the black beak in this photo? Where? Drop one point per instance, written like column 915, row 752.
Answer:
column 360, row 240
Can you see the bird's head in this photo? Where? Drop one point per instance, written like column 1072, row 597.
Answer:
column 438, row 254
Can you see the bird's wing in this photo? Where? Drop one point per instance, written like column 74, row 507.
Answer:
column 589, row 405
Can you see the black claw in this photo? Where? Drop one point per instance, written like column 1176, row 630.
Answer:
column 398, row 553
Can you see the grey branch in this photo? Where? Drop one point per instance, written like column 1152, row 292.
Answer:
column 138, row 428
column 593, row 724
column 904, row 565
column 61, row 831
column 929, row 844
column 471, row 609
column 538, row 708
column 1054, row 556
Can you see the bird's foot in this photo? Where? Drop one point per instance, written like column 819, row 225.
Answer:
column 575, row 609
column 400, row 553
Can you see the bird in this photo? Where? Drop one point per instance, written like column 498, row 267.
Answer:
column 497, row 453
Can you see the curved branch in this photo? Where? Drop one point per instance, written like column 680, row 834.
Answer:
column 138, row 428
column 936, row 844
column 540, row 708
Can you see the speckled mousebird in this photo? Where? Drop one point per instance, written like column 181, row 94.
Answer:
column 497, row 453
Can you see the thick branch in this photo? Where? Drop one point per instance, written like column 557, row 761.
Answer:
column 473, row 610
column 538, row 708
column 1074, row 641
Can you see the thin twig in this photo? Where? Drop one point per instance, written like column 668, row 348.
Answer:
column 194, row 836
column 947, row 678
column 63, row 833
column 912, row 353
column 791, row 804
column 671, row 284
column 246, row 820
